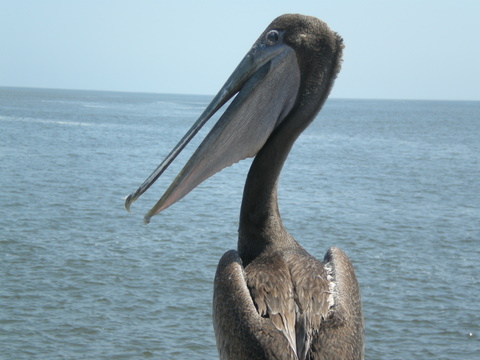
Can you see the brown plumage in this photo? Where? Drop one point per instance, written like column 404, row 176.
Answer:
column 272, row 300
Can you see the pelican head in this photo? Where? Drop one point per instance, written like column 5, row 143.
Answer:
column 281, row 82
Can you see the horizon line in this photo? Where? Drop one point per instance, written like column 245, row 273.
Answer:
column 212, row 95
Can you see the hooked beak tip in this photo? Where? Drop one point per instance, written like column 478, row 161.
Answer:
column 128, row 202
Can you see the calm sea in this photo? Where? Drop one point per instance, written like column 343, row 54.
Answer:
column 395, row 184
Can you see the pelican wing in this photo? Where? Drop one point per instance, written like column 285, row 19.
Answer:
column 272, row 291
column 240, row 330
column 341, row 335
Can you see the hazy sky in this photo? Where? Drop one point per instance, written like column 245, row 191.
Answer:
column 418, row 49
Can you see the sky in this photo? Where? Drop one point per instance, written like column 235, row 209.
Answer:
column 411, row 49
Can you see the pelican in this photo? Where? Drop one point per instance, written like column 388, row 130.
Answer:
column 272, row 299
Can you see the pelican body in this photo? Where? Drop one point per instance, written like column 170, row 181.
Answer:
column 272, row 300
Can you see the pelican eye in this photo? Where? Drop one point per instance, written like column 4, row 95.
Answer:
column 272, row 37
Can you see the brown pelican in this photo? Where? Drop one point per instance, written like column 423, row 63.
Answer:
column 272, row 300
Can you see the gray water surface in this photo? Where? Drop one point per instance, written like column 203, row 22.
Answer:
column 395, row 184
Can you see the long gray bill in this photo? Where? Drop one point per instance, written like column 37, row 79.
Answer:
column 267, row 82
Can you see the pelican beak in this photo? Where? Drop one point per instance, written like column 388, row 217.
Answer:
column 265, row 83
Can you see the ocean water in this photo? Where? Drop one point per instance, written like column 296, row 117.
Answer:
column 395, row 184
